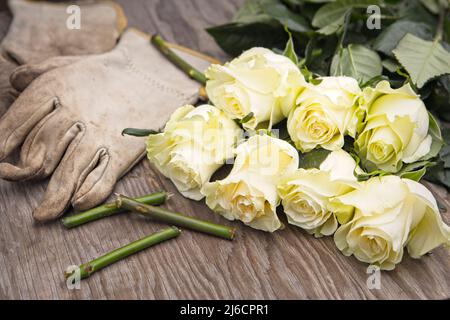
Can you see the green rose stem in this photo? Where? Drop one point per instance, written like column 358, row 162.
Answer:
column 440, row 27
column 110, row 209
column 95, row 265
column 160, row 44
column 177, row 219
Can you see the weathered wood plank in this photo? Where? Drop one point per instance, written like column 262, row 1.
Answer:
column 289, row 264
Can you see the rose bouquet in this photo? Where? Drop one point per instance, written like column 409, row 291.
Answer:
column 336, row 155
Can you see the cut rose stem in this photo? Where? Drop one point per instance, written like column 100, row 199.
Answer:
column 95, row 265
column 176, row 219
column 161, row 45
column 109, row 209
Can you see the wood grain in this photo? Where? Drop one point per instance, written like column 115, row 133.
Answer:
column 289, row 264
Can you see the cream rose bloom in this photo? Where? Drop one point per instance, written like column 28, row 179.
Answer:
column 395, row 130
column 325, row 113
column 259, row 82
column 390, row 213
column 194, row 144
column 305, row 193
column 249, row 193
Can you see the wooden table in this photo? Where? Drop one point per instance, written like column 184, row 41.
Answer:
column 288, row 264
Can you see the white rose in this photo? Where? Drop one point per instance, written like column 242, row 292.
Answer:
column 305, row 193
column 259, row 82
column 395, row 130
column 325, row 113
column 194, row 144
column 249, row 192
column 390, row 213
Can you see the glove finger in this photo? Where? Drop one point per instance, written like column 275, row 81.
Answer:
column 44, row 147
column 79, row 160
column 7, row 93
column 29, row 108
column 7, row 97
column 22, row 76
column 97, row 186
column 100, row 183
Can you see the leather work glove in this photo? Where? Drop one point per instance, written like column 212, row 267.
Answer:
column 39, row 31
column 7, row 93
column 77, row 113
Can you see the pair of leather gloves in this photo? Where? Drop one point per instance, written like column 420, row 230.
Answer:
column 74, row 93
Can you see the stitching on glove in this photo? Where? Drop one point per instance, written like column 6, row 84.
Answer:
column 152, row 81
column 26, row 122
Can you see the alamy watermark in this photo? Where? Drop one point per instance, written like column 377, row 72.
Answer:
column 374, row 19
column 73, row 21
column 73, row 278
column 374, row 279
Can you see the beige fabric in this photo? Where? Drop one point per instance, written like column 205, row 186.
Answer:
column 38, row 31
column 77, row 112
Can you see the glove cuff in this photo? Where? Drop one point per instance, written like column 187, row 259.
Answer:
column 30, row 41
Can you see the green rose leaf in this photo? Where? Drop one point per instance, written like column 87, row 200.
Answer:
column 253, row 11
column 334, row 12
column 299, row 2
column 439, row 99
column 335, row 25
column 415, row 171
column 356, row 61
column 293, row 3
column 289, row 51
column 265, row 11
column 391, row 36
column 414, row 10
column 359, row 172
column 415, row 175
column 422, row 59
column 434, row 6
column 441, row 172
column 234, row 38
column 313, row 159
column 446, row 35
column 282, row 14
column 436, row 136
column 247, row 118
column 259, row 23
column 390, row 65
